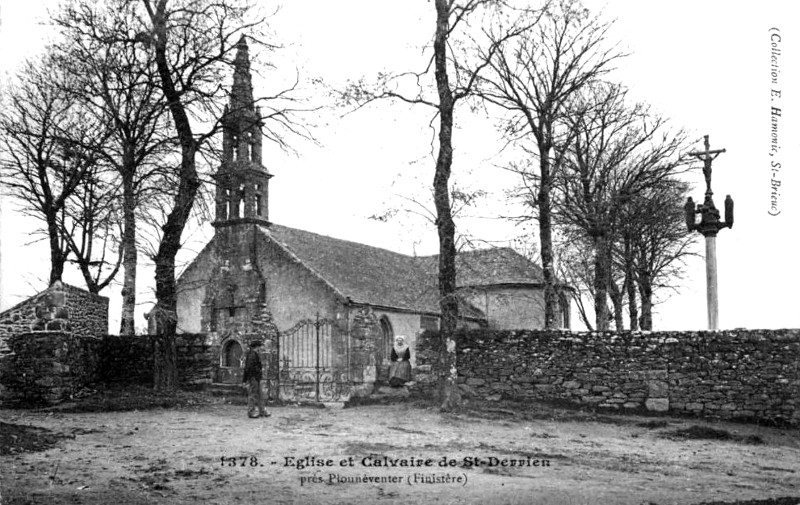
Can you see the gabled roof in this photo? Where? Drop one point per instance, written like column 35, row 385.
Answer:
column 500, row 265
column 379, row 277
column 493, row 267
column 363, row 273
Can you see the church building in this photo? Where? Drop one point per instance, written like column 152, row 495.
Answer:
column 327, row 309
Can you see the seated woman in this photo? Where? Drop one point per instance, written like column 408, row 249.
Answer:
column 400, row 370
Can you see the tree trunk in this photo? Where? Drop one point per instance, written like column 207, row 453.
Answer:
column 617, row 297
column 546, row 238
column 165, row 366
column 130, row 253
column 166, row 286
column 646, row 319
column 166, row 375
column 83, row 255
column 630, row 287
column 646, row 295
column 444, row 220
column 600, row 283
column 582, row 312
column 57, row 255
column 165, row 371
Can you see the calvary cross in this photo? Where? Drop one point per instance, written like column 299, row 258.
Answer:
column 707, row 157
column 709, row 226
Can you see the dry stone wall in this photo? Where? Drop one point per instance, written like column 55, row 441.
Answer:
column 47, row 367
column 130, row 359
column 425, row 373
column 60, row 307
column 740, row 374
column 55, row 343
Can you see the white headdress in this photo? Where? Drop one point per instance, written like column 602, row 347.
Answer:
column 400, row 348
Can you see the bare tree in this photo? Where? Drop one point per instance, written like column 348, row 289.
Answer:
column 118, row 84
column 532, row 77
column 90, row 225
column 190, row 42
column 618, row 152
column 575, row 269
column 658, row 243
column 48, row 142
column 454, row 77
column 193, row 43
column 448, row 16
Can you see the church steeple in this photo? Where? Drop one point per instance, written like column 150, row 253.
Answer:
column 242, row 89
column 242, row 180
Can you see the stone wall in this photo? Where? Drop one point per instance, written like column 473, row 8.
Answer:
column 60, row 307
column 425, row 373
column 130, row 359
column 51, row 366
column 48, row 366
column 741, row 374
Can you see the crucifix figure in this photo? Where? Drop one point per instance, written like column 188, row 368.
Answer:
column 707, row 157
column 709, row 226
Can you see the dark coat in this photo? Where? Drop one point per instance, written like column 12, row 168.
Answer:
column 252, row 366
column 405, row 357
column 400, row 369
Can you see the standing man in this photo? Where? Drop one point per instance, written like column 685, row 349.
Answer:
column 252, row 377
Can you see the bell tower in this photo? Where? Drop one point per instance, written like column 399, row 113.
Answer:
column 242, row 181
column 233, row 311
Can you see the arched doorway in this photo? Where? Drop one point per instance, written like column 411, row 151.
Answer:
column 230, row 367
column 384, row 348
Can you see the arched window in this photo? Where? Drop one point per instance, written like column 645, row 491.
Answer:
column 259, row 201
column 240, row 202
column 232, row 354
column 387, row 336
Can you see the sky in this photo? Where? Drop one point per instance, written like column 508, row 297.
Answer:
column 706, row 65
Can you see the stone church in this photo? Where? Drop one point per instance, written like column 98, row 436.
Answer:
column 327, row 309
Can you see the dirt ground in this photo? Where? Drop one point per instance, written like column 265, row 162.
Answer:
column 211, row 453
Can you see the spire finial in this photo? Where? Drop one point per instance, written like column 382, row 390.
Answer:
column 242, row 90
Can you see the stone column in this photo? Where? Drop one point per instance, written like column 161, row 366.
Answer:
column 711, row 281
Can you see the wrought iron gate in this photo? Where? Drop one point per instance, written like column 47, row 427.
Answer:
column 307, row 367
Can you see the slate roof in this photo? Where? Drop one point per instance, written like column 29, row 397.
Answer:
column 363, row 273
column 375, row 276
column 379, row 277
column 500, row 265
